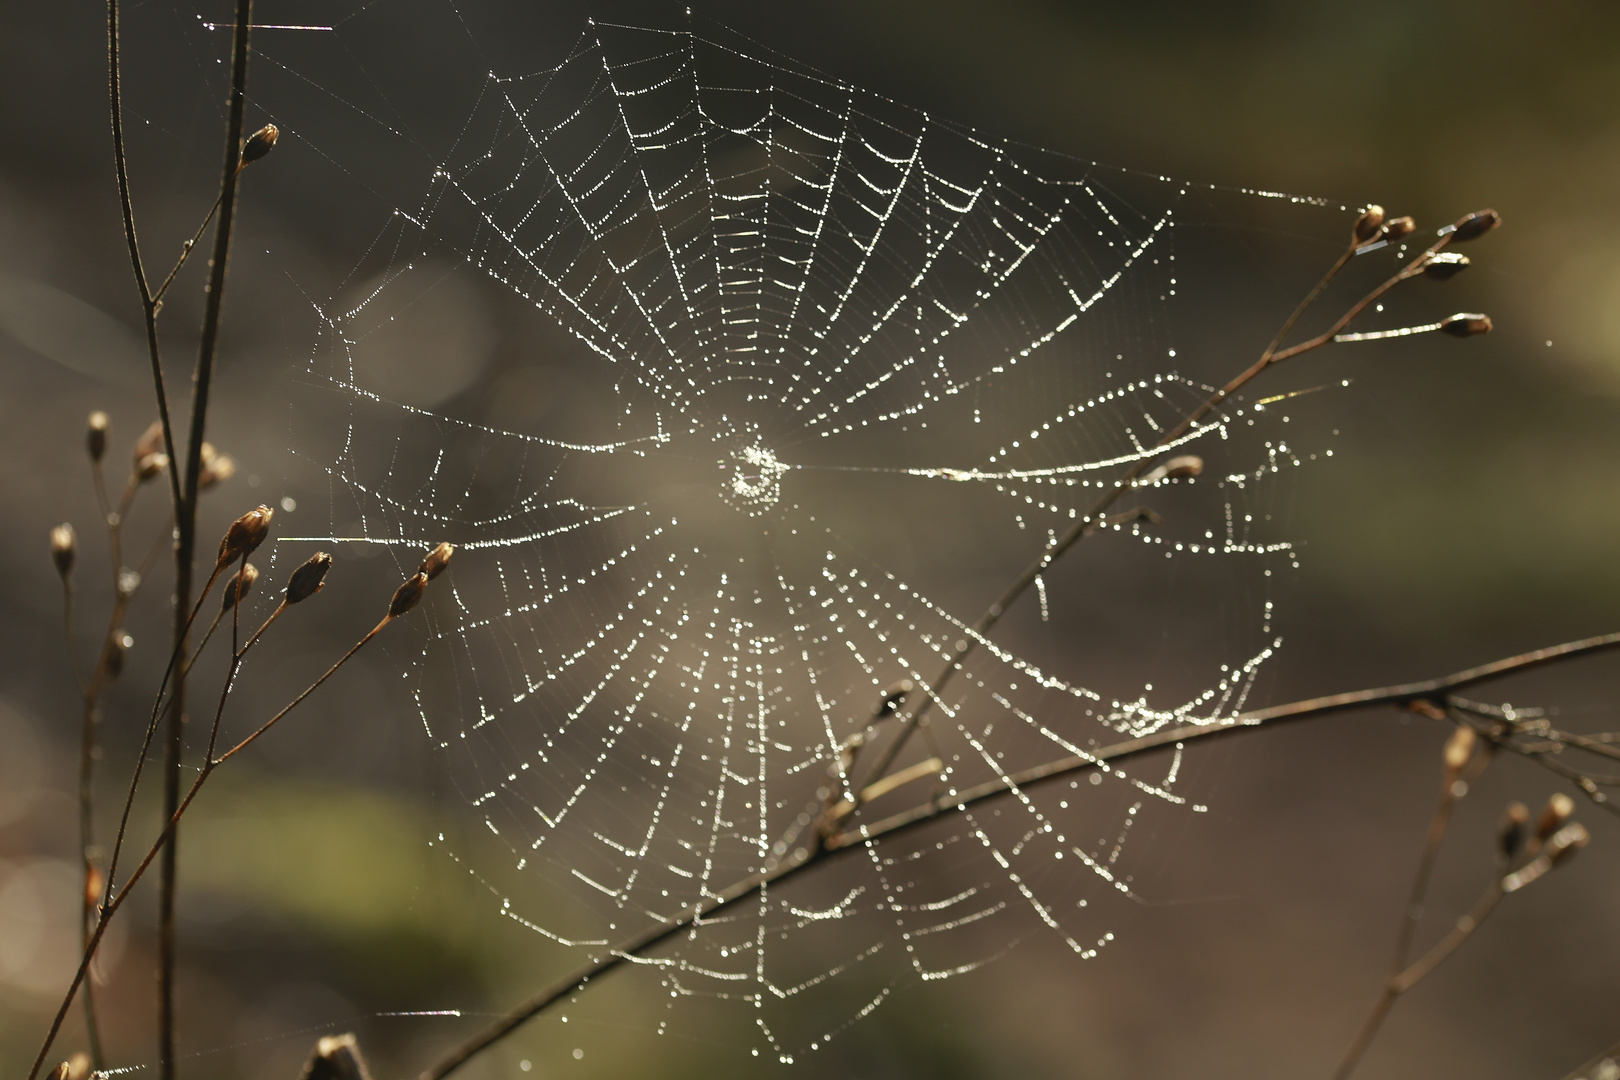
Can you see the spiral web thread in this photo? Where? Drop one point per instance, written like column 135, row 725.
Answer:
column 809, row 321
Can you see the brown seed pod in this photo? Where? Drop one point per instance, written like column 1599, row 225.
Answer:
column 1475, row 225
column 151, row 465
column 307, row 580
column 219, row 470
column 1185, row 465
column 95, row 435
column 1510, row 833
column 1459, row 748
column 64, row 1071
column 1368, row 225
column 1445, row 265
column 63, row 547
column 1177, row 468
column 246, row 578
column 1567, row 841
column 150, row 442
column 1399, row 228
column 121, row 643
column 1553, row 815
column 260, row 143
column 245, row 534
column 216, row 467
column 1466, row 324
column 94, row 882
column 437, row 560
column 407, row 595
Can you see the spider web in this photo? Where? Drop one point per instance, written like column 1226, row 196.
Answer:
column 821, row 373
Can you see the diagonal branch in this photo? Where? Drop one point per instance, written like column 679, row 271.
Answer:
column 802, row 858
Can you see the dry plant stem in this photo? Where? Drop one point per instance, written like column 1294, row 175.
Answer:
column 803, row 858
column 1425, row 873
column 146, row 747
column 87, row 744
column 1402, row 981
column 187, row 249
column 1086, row 525
column 115, row 99
column 90, row 692
column 1409, row 920
column 114, row 902
column 186, row 518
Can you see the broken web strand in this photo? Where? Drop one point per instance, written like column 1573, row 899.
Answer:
column 570, row 656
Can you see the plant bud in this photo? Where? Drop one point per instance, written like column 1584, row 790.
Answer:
column 95, row 436
column 1176, row 468
column 1476, row 225
column 337, row 1057
column 437, row 560
column 216, row 467
column 121, row 643
column 1553, row 815
column 219, row 470
column 1185, row 465
column 150, row 442
column 1399, row 228
column 64, row 1071
column 245, row 534
column 1368, row 225
column 1510, row 833
column 260, row 143
column 243, row 579
column 407, row 595
column 149, row 466
column 307, row 580
column 1567, row 841
column 1445, row 265
column 94, row 882
column 63, row 546
column 1466, row 324
column 1459, row 748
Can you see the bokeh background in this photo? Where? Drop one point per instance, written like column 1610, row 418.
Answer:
column 1470, row 511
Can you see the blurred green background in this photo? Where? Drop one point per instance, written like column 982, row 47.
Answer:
column 1471, row 512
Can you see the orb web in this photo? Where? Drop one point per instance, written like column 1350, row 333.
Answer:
column 791, row 380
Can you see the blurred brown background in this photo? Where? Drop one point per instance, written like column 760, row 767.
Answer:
column 1471, row 512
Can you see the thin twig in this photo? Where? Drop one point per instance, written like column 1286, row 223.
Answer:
column 1414, row 905
column 87, row 743
column 186, row 249
column 146, row 746
column 1403, row 980
column 165, row 838
column 802, row 858
column 114, row 95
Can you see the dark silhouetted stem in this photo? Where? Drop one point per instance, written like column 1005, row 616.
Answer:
column 186, row 520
